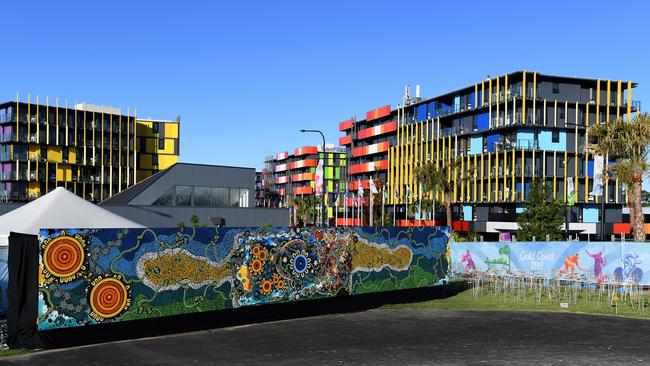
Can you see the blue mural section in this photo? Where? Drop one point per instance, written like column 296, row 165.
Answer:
column 590, row 261
column 4, row 280
column 112, row 275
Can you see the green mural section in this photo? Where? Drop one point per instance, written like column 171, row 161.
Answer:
column 112, row 275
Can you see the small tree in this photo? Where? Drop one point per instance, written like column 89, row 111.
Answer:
column 542, row 215
column 628, row 142
column 441, row 179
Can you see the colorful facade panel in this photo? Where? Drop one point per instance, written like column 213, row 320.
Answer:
column 368, row 167
column 346, row 125
column 345, row 140
column 377, row 130
column 379, row 147
column 378, row 113
column 113, row 275
column 305, row 150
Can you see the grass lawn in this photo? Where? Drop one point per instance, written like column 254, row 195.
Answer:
column 12, row 352
column 465, row 300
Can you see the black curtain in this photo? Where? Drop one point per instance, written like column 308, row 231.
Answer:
column 23, row 291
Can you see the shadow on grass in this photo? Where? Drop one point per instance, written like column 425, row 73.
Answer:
column 68, row 337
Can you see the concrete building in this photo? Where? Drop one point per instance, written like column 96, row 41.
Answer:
column 174, row 195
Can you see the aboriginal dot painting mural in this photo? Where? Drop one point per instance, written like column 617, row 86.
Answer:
column 112, row 275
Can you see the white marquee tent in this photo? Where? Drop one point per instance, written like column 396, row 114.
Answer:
column 59, row 209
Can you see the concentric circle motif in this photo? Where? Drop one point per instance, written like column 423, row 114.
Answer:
column 63, row 257
column 108, row 297
column 300, row 263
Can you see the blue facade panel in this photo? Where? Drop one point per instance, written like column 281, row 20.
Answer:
column 546, row 141
column 421, row 112
column 520, row 208
column 491, row 139
column 526, row 187
column 432, row 109
column 471, row 100
column 467, row 212
column 476, row 145
column 590, row 214
column 482, row 122
column 590, row 165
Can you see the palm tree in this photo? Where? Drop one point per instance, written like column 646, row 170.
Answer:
column 628, row 142
column 437, row 179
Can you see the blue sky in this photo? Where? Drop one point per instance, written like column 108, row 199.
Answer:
column 246, row 76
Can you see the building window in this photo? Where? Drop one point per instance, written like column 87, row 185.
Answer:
column 167, row 199
column 155, row 127
column 556, row 88
column 184, row 196
column 154, row 160
column 202, row 196
column 556, row 136
column 161, row 144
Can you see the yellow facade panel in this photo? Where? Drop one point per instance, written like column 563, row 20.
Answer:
column 165, row 161
column 171, row 130
column 54, row 154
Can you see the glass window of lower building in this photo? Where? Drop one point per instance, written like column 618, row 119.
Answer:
column 204, row 197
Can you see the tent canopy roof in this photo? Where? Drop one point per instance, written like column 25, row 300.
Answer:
column 59, row 209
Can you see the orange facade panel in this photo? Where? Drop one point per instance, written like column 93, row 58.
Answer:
column 306, row 163
column 302, row 177
column 377, row 130
column 281, row 180
column 372, row 166
column 378, row 113
column 346, row 125
column 303, row 190
column 345, row 140
column 305, row 150
column 371, row 149
column 280, row 168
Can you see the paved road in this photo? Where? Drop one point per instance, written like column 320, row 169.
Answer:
column 383, row 337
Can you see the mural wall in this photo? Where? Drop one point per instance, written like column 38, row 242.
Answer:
column 111, row 275
column 591, row 261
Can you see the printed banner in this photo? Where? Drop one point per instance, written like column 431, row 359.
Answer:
column 592, row 261
column 111, row 275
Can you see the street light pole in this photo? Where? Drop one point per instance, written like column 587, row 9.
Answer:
column 322, row 203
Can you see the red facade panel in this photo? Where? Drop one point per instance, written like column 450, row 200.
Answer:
column 282, row 155
column 307, row 163
column 368, row 167
column 281, row 180
column 346, row 125
column 377, row 130
column 622, row 228
column 461, row 226
column 345, row 140
column 280, row 168
column 305, row 150
column 303, row 190
column 302, row 177
column 371, row 149
column 378, row 113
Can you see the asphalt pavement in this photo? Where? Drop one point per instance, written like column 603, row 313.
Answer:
column 383, row 337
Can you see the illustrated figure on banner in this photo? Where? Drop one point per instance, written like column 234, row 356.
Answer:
column 570, row 263
column 599, row 263
column 467, row 258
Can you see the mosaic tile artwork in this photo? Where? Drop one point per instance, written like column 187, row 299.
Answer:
column 111, row 275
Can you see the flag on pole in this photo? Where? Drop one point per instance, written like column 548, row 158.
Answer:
column 598, row 176
column 360, row 190
column 318, row 178
column 336, row 203
column 385, row 195
column 373, row 188
column 396, row 196
column 571, row 193
column 408, row 192
column 354, row 200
